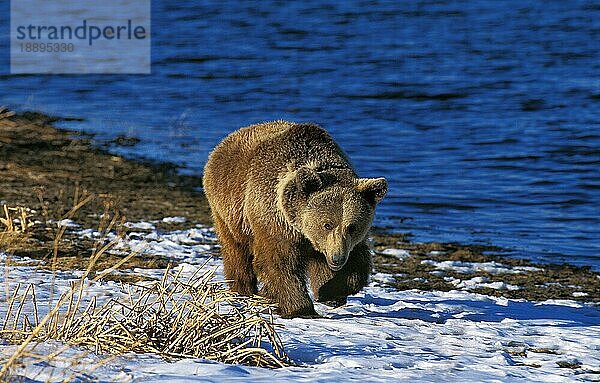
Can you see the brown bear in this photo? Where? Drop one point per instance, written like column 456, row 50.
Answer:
column 288, row 205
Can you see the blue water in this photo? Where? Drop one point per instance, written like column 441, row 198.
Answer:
column 483, row 115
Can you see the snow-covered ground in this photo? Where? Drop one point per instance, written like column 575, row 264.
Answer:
column 380, row 335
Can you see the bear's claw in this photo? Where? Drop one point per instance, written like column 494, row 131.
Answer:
column 335, row 302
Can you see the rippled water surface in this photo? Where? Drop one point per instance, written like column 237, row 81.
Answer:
column 483, row 115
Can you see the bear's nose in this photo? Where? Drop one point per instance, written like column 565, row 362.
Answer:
column 338, row 261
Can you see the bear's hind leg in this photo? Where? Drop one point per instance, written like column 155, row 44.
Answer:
column 333, row 288
column 237, row 261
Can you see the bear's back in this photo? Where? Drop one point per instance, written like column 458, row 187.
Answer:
column 228, row 169
column 277, row 145
column 243, row 141
column 249, row 164
column 295, row 146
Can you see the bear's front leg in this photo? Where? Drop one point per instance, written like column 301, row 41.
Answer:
column 237, row 260
column 332, row 288
column 278, row 264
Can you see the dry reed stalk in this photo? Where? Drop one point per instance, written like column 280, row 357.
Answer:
column 15, row 224
column 16, row 219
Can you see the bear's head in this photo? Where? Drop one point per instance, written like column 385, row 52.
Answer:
column 334, row 210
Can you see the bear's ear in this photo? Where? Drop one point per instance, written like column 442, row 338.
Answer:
column 373, row 189
column 308, row 180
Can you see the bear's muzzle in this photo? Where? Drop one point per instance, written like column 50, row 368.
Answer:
column 337, row 255
column 337, row 262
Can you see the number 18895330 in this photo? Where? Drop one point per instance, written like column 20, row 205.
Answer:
column 47, row 47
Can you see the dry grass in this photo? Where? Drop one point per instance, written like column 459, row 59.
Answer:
column 15, row 222
column 16, row 219
column 176, row 317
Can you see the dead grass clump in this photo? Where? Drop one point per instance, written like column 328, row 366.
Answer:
column 16, row 219
column 15, row 222
column 176, row 317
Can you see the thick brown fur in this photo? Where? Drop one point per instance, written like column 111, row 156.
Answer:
column 288, row 205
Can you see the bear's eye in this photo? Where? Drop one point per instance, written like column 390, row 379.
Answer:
column 328, row 226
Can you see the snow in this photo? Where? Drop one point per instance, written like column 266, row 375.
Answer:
column 140, row 225
column 66, row 223
column 174, row 220
column 580, row 294
column 380, row 335
column 150, row 225
column 479, row 282
column 398, row 253
column 383, row 278
column 473, row 267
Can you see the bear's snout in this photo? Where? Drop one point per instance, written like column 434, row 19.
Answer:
column 338, row 261
column 337, row 255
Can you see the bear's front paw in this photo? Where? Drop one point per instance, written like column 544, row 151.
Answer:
column 336, row 302
column 265, row 293
column 305, row 312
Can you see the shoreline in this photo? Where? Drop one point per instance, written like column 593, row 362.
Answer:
column 48, row 169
